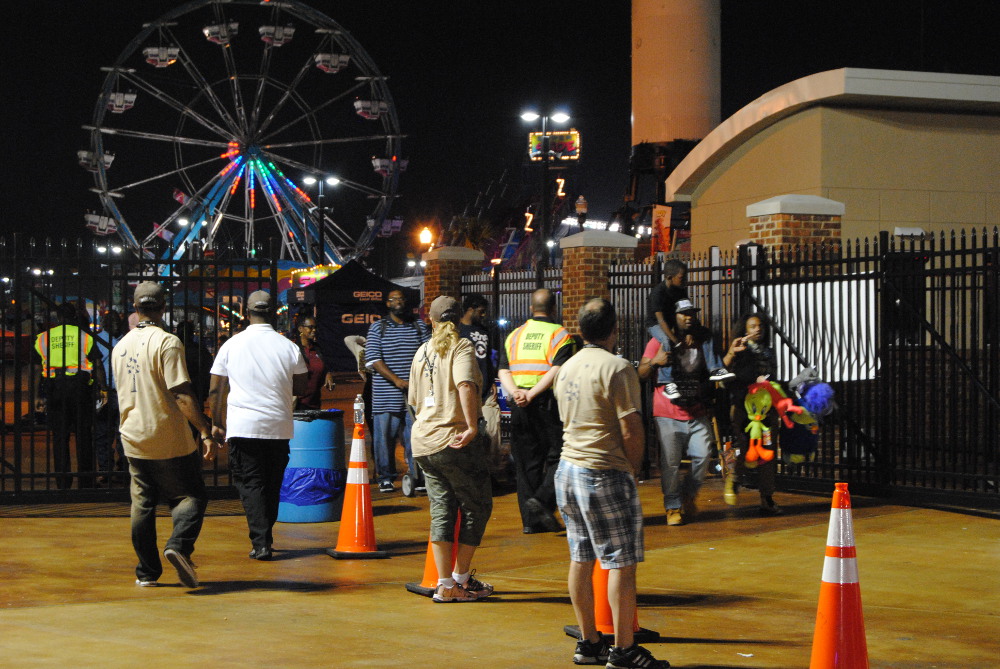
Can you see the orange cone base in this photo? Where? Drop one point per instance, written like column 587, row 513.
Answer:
column 641, row 635
column 420, row 589
column 839, row 639
column 351, row 555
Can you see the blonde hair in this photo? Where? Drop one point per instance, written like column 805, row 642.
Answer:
column 444, row 338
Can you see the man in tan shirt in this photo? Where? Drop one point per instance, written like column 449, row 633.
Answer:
column 156, row 402
column 599, row 399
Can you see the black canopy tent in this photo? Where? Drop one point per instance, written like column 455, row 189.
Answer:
column 347, row 302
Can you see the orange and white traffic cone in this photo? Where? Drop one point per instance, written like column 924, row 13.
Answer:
column 428, row 585
column 357, row 527
column 603, row 618
column 839, row 638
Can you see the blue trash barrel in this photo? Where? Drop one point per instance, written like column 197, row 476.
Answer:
column 313, row 488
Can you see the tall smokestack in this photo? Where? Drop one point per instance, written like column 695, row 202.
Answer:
column 675, row 69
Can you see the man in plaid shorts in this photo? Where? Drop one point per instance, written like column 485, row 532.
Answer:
column 598, row 395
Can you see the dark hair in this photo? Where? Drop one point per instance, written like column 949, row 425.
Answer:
column 673, row 267
column 597, row 319
column 474, row 301
column 740, row 325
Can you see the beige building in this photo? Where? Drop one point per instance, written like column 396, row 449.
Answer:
column 898, row 150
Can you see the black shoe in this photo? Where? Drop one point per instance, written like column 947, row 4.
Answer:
column 635, row 656
column 542, row 516
column 261, row 553
column 769, row 508
column 588, row 652
column 386, row 486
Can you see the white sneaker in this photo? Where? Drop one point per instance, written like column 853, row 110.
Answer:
column 146, row 583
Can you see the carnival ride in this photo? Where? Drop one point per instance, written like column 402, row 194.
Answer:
column 225, row 105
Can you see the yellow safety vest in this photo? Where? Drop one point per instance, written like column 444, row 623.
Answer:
column 64, row 349
column 531, row 349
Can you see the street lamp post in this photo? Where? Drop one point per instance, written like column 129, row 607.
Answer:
column 542, row 251
column 581, row 211
column 330, row 181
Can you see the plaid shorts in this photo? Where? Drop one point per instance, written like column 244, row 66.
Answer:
column 602, row 513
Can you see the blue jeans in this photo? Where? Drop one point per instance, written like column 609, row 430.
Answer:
column 695, row 435
column 177, row 482
column 666, row 374
column 387, row 427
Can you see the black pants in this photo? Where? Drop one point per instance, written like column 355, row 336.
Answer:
column 536, row 444
column 70, row 408
column 258, row 468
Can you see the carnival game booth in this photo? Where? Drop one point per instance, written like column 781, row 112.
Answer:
column 347, row 302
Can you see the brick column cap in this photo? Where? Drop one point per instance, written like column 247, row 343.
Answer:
column 454, row 253
column 602, row 238
column 806, row 205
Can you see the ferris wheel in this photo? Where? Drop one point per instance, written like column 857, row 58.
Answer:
column 215, row 117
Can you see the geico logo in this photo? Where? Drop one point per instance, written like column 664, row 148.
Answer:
column 359, row 319
column 368, row 294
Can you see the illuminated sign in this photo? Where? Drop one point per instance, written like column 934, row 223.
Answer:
column 563, row 146
column 310, row 275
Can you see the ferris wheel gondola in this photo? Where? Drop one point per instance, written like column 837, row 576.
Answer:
column 226, row 105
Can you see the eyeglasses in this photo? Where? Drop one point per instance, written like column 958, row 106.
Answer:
column 395, row 299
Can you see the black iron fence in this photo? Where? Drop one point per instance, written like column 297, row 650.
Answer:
column 906, row 330
column 35, row 279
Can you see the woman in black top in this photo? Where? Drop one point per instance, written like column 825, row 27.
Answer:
column 752, row 361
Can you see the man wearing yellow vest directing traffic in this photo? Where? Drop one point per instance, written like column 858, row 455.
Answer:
column 529, row 362
column 70, row 364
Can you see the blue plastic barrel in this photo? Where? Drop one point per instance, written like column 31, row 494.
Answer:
column 313, row 488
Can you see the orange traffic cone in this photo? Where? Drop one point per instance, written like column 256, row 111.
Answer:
column 427, row 586
column 357, row 529
column 839, row 637
column 603, row 618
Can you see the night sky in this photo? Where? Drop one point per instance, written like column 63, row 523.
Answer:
column 460, row 73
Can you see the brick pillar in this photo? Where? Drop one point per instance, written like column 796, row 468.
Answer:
column 587, row 256
column 795, row 220
column 445, row 267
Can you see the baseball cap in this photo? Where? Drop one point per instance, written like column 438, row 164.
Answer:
column 149, row 293
column 685, row 305
column 260, row 302
column 445, row 308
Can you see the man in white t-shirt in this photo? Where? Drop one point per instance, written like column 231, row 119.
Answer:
column 156, row 402
column 255, row 378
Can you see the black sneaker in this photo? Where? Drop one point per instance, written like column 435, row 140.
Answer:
column 591, row 652
column 635, row 656
column 671, row 391
column 386, row 486
column 721, row 374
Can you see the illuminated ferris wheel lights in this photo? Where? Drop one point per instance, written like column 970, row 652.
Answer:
column 183, row 222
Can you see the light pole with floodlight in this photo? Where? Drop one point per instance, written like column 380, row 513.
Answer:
column 309, row 180
column 546, row 226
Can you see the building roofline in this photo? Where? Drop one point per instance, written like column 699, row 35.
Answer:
column 847, row 87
